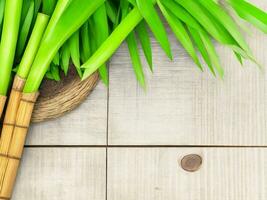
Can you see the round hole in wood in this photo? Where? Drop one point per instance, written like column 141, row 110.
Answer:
column 191, row 162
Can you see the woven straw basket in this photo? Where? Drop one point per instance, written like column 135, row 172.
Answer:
column 58, row 98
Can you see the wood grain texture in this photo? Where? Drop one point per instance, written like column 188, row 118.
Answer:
column 156, row 174
column 61, row 174
column 86, row 125
column 183, row 106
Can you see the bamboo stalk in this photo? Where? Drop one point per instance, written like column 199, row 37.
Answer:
column 9, row 162
column 8, row 125
column 2, row 104
column 11, row 112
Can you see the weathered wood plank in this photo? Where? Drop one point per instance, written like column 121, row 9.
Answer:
column 155, row 173
column 84, row 126
column 62, row 173
column 183, row 106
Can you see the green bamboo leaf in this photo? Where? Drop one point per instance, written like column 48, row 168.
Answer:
column 137, row 66
column 234, row 46
column 145, row 43
column 49, row 75
column 201, row 47
column 85, row 42
column 125, row 7
column 49, row 6
column 118, row 17
column 132, row 46
column 24, row 11
column 74, row 46
column 149, row 13
column 61, row 6
column 65, row 58
column 250, row 13
column 92, row 34
column 181, row 34
column 213, row 27
column 109, row 46
column 212, row 53
column 37, row 5
column 226, row 22
column 111, row 11
column 2, row 9
column 182, row 14
column 55, row 72
column 195, row 28
column 93, row 45
column 24, row 31
column 56, row 59
column 244, row 55
column 101, row 32
column 239, row 58
column 218, row 32
column 61, row 26
column 133, row 2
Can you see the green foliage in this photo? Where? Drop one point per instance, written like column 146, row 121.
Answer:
column 33, row 45
column 9, row 39
column 2, row 9
column 194, row 23
column 25, row 29
column 101, row 29
column 59, row 29
column 87, row 33
column 143, row 36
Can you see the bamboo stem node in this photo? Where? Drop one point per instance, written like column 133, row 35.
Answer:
column 15, row 125
column 30, row 97
column 18, row 83
column 4, row 198
column 11, row 114
column 9, row 157
column 12, row 148
column 14, row 100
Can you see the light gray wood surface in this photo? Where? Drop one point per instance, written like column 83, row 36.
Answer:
column 181, row 106
column 62, row 174
column 156, row 174
column 86, row 125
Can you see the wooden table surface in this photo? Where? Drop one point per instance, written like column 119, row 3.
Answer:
column 124, row 143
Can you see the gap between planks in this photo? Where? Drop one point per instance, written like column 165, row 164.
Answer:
column 142, row 146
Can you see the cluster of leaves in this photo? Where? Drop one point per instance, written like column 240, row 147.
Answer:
column 81, row 45
column 30, row 9
column 77, row 49
column 195, row 24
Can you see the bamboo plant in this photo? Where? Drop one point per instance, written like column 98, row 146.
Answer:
column 45, row 35
column 9, row 38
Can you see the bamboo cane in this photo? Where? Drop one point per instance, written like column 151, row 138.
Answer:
column 11, row 160
column 2, row 104
column 9, row 122
column 11, row 112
